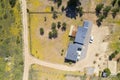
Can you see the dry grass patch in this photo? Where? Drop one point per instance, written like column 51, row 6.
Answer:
column 44, row 73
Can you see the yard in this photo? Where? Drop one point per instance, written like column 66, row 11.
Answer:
column 106, row 37
column 52, row 50
column 49, row 49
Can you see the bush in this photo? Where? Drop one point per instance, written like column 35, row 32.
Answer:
column 59, row 2
column 64, row 26
column 53, row 26
column 58, row 25
column 50, row 35
column 99, row 8
column 62, row 8
column 54, row 33
column 113, row 2
column 118, row 75
column 119, row 3
column 106, row 10
column 52, row 8
column 80, row 11
column 41, row 31
column 54, row 15
column 107, row 70
column 12, row 3
column 114, row 11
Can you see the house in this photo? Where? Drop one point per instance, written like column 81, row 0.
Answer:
column 78, row 49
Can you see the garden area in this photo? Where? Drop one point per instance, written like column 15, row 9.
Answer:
column 11, row 57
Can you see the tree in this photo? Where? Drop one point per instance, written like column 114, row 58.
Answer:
column 119, row 3
column 58, row 25
column 50, row 35
column 106, row 10
column 54, row 33
column 118, row 75
column 74, row 3
column 100, row 19
column 99, row 8
column 12, row 3
column 52, row 8
column 113, row 2
column 114, row 11
column 59, row 2
column 80, row 11
column 62, row 9
column 64, row 26
column 54, row 15
column 53, row 26
column 107, row 70
column 41, row 31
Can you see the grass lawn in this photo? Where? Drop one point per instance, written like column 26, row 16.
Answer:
column 44, row 73
column 11, row 60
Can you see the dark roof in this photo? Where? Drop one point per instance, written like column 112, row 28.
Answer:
column 72, row 52
column 80, row 36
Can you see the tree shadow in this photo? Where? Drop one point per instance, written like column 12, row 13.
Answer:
column 71, row 9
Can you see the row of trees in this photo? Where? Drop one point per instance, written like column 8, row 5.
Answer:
column 102, row 11
column 54, row 32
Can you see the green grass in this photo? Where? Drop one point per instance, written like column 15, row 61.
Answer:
column 11, row 61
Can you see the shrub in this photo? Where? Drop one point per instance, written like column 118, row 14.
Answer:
column 107, row 70
column 99, row 8
column 12, row 3
column 50, row 35
column 113, row 2
column 118, row 75
column 64, row 26
column 53, row 26
column 41, row 31
column 58, row 25
column 54, row 15
column 106, row 10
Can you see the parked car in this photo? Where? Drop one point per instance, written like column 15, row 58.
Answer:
column 91, row 39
